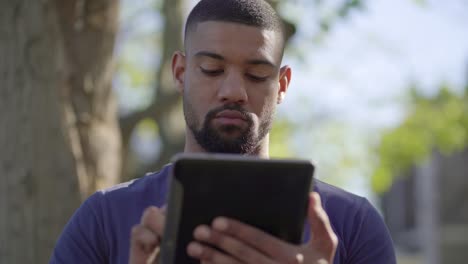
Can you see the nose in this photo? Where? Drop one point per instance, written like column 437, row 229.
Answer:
column 233, row 89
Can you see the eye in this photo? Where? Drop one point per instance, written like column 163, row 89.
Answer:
column 256, row 78
column 210, row 72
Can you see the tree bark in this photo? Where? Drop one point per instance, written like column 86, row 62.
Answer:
column 89, row 28
column 59, row 136
column 38, row 176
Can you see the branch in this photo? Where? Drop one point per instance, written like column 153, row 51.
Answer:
column 154, row 111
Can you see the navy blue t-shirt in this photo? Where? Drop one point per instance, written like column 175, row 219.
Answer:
column 99, row 231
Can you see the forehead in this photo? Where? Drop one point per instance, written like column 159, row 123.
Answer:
column 234, row 41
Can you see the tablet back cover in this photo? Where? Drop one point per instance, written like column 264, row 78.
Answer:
column 271, row 195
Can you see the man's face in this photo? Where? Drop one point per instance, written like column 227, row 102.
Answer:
column 230, row 84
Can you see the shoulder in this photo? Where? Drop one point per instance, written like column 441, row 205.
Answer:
column 338, row 198
column 98, row 230
column 363, row 235
column 151, row 187
column 347, row 211
column 341, row 205
column 343, row 208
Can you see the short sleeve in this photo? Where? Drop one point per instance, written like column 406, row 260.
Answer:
column 371, row 242
column 83, row 240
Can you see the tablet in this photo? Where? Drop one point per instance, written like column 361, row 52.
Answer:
column 271, row 195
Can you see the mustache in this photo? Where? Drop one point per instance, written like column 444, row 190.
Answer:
column 233, row 107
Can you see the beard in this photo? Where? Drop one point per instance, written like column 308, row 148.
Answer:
column 211, row 138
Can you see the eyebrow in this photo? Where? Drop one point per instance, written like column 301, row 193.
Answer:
column 219, row 57
column 209, row 54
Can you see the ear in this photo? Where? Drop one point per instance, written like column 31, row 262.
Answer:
column 284, row 80
column 178, row 70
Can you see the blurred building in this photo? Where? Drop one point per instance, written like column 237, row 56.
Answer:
column 427, row 211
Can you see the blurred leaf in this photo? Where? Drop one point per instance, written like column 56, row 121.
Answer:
column 420, row 2
column 339, row 13
column 138, row 77
column 279, row 139
column 438, row 123
column 147, row 126
column 382, row 180
column 348, row 6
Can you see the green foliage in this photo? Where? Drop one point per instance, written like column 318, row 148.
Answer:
column 420, row 2
column 147, row 126
column 279, row 139
column 136, row 76
column 439, row 123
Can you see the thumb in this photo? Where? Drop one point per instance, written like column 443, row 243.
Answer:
column 323, row 238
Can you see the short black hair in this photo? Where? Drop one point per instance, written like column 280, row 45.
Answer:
column 257, row 13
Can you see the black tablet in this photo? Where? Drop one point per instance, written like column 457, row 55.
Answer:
column 271, row 195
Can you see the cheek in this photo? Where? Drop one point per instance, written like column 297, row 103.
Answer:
column 199, row 88
column 197, row 95
column 263, row 101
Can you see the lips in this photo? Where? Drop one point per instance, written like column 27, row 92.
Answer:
column 231, row 118
column 231, row 114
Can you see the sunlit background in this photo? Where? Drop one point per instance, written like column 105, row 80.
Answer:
column 378, row 91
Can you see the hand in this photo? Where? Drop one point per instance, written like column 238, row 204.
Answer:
column 146, row 237
column 246, row 244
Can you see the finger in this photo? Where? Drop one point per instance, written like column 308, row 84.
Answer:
column 144, row 238
column 144, row 245
column 323, row 237
column 164, row 209
column 230, row 245
column 207, row 254
column 153, row 218
column 256, row 238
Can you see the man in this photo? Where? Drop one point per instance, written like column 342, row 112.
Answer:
column 231, row 80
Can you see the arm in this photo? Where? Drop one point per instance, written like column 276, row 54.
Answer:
column 83, row 239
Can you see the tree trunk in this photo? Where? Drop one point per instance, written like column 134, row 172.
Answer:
column 59, row 136
column 89, row 28
column 38, row 176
